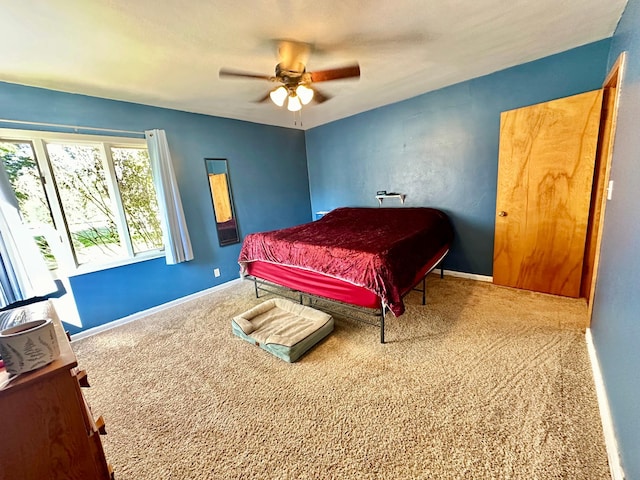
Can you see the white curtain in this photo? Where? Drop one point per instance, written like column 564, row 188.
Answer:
column 23, row 272
column 174, row 227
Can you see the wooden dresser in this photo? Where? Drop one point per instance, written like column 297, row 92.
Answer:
column 47, row 430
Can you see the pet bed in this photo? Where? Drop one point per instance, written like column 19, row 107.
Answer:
column 283, row 328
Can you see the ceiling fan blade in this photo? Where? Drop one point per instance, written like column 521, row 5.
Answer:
column 264, row 98
column 235, row 73
column 351, row 71
column 320, row 97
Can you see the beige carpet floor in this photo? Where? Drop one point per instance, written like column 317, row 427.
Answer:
column 482, row 383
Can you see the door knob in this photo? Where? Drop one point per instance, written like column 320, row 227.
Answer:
column 502, row 213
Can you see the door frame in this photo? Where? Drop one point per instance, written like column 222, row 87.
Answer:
column 600, row 190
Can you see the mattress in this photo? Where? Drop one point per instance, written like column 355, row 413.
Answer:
column 383, row 252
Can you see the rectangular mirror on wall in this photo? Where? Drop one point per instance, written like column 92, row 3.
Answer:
column 222, row 199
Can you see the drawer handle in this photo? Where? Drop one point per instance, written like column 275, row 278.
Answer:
column 102, row 429
column 83, row 380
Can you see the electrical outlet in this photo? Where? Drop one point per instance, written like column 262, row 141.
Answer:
column 610, row 190
column 216, row 272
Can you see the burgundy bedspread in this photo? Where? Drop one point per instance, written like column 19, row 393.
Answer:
column 380, row 249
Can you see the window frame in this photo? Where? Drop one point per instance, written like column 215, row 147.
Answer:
column 39, row 140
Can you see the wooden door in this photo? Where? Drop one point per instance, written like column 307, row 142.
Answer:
column 545, row 175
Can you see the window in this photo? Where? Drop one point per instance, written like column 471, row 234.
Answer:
column 89, row 200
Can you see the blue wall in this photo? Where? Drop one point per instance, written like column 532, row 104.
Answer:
column 616, row 315
column 441, row 148
column 268, row 174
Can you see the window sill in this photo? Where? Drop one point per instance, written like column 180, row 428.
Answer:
column 84, row 269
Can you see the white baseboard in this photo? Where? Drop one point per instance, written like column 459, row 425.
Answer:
column 617, row 473
column 472, row 276
column 135, row 316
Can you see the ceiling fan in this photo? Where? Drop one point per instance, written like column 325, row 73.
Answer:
column 295, row 83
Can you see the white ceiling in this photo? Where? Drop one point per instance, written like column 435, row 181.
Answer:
column 168, row 53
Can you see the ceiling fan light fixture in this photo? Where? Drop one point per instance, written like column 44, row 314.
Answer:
column 294, row 103
column 292, row 82
column 279, row 95
column 304, row 93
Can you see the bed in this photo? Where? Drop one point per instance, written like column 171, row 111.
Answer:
column 363, row 257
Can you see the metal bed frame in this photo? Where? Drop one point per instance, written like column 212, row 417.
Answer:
column 261, row 285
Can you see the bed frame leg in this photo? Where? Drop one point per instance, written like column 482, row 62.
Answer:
column 424, row 290
column 255, row 286
column 441, row 272
column 384, row 309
